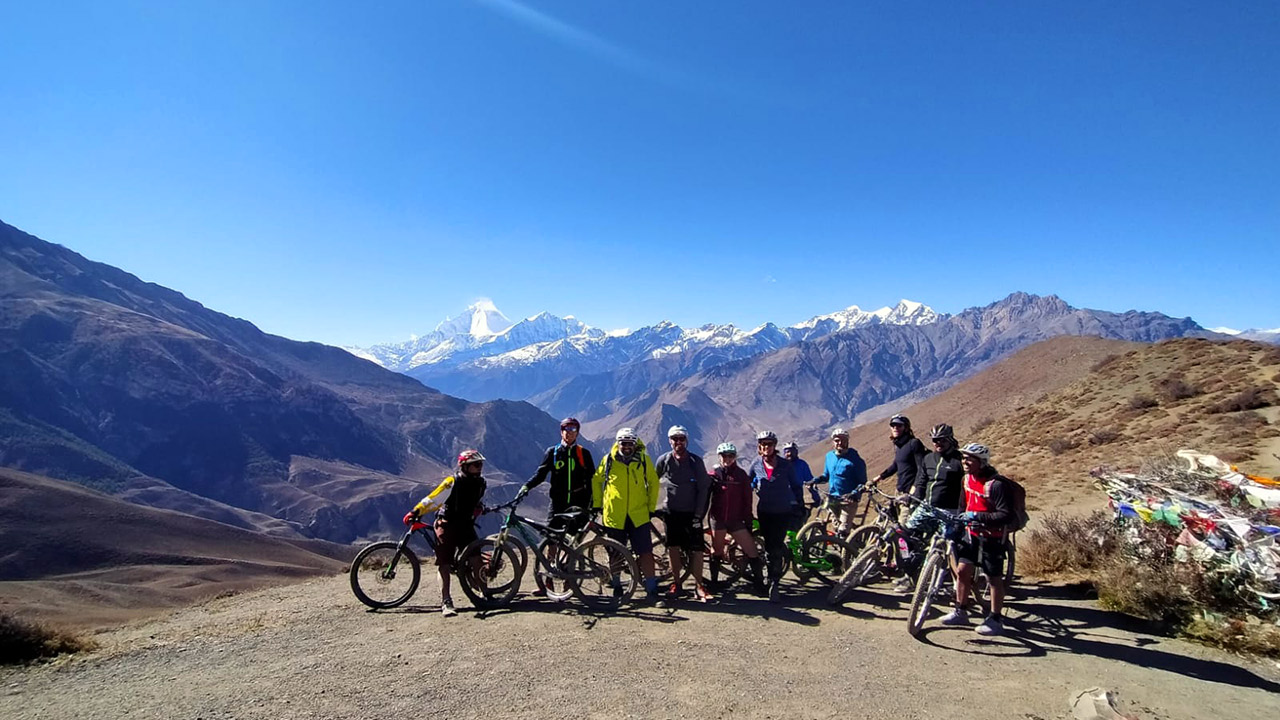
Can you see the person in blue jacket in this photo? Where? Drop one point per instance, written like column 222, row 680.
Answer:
column 779, row 501
column 845, row 473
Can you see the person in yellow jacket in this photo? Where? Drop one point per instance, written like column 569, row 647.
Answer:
column 625, row 491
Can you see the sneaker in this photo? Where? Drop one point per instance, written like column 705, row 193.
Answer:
column 956, row 617
column 990, row 626
column 701, row 594
column 903, row 585
column 774, row 595
column 674, row 591
column 446, row 608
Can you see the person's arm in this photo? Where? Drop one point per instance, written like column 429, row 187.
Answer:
column 597, row 486
column 548, row 461
column 998, row 500
column 703, row 500
column 920, row 453
column 889, row 471
column 922, row 480
column 434, row 500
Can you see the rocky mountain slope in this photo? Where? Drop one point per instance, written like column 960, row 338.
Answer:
column 803, row 389
column 133, row 388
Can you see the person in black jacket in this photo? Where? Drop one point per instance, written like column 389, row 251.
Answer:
column 570, row 467
column 941, row 483
column 687, row 484
column 908, row 460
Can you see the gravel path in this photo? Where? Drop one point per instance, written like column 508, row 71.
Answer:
column 311, row 651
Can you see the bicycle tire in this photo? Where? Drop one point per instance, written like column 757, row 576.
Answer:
column 811, row 529
column 927, row 584
column 739, row 564
column 614, row 574
column 558, row 557
column 862, row 537
column 661, row 558
column 829, row 550
column 369, row 581
column 522, row 550
column 489, row 573
column 859, row 570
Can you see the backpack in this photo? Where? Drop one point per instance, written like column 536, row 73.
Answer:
column 1018, row 499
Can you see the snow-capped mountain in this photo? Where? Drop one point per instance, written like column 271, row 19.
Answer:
column 480, row 354
column 1267, row 336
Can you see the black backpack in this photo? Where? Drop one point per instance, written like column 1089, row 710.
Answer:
column 1018, row 499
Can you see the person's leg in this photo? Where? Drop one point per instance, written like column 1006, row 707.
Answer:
column 992, row 558
column 775, row 545
column 747, row 542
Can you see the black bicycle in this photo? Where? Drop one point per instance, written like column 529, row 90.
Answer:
column 385, row 574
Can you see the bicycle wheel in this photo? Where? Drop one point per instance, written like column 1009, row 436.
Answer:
column 558, row 557
column 489, row 573
column 1011, row 555
column 661, row 559
column 522, row 550
column 609, row 574
column 826, row 557
column 813, row 528
column 385, row 576
column 861, row 538
column 863, row 567
column 927, row 584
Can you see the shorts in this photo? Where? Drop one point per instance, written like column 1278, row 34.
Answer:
column 639, row 537
column 680, row 533
column 985, row 552
column 730, row 526
column 922, row 523
column 452, row 536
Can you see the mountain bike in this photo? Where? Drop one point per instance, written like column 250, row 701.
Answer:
column 892, row 548
column 817, row 551
column 937, row 564
column 385, row 574
column 600, row 572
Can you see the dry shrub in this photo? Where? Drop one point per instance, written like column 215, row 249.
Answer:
column 1103, row 436
column 1159, row 591
column 1248, row 635
column 1068, row 544
column 1175, row 388
column 1141, row 402
column 981, row 425
column 22, row 641
column 1270, row 357
column 1276, row 378
column 1105, row 362
column 1057, row 446
column 1247, row 399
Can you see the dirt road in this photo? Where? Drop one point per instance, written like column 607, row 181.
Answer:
column 310, row 651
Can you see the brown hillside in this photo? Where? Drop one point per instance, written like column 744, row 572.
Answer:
column 1020, row 380
column 83, row 558
column 1216, row 397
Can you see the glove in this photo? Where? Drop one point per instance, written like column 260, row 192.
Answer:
column 697, row 526
column 410, row 517
column 904, row 498
column 524, row 490
column 969, row 517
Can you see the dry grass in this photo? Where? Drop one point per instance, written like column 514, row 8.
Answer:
column 22, row 641
column 1247, row 399
column 1065, row 544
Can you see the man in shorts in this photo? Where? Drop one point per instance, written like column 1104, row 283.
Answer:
column 988, row 511
column 688, row 492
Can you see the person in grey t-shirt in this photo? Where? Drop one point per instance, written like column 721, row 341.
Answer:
column 688, row 493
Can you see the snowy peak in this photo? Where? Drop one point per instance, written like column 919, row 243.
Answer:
column 481, row 319
column 910, row 312
column 906, row 312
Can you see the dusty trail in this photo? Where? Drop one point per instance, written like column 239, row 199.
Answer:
column 310, row 651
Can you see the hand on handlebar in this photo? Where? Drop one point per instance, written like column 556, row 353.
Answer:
column 410, row 518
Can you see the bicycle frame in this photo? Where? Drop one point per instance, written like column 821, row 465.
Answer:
column 533, row 532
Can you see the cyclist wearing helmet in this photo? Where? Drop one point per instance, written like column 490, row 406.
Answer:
column 625, row 490
column 459, row 495
column 988, row 510
column 846, row 474
column 731, row 514
column 908, row 460
column 779, row 498
column 791, row 451
column 940, row 485
column 570, row 467
column 688, row 491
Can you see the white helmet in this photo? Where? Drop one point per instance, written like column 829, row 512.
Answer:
column 977, row 450
column 726, row 448
column 678, row 431
column 626, row 433
column 839, row 432
column 766, row 436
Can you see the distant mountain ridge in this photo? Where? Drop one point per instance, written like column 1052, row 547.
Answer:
column 520, row 360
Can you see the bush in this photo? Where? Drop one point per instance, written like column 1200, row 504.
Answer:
column 1103, row 436
column 981, row 425
column 1151, row 590
column 1241, row 635
column 1105, row 362
column 1247, row 399
column 22, row 641
column 1057, row 446
column 1175, row 388
column 1066, row 544
column 1141, row 402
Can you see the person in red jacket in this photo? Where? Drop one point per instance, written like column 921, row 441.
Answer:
column 730, row 515
column 988, row 512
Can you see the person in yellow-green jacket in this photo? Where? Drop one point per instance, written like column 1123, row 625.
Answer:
column 625, row 491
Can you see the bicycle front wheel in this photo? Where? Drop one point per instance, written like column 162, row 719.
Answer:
column 489, row 573
column 384, row 575
column 862, row 568
column 927, row 585
column 826, row 557
column 608, row 574
column 560, row 558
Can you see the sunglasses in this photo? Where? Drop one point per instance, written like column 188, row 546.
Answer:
column 569, row 428
column 767, row 444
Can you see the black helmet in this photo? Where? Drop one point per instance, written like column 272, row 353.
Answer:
column 900, row 420
column 942, row 431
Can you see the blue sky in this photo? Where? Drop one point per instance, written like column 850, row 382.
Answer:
column 353, row 172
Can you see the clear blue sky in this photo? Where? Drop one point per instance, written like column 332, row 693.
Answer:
column 352, row 172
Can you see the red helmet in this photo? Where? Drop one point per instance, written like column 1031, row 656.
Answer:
column 466, row 457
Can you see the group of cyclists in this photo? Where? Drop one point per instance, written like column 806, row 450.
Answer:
column 626, row 488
